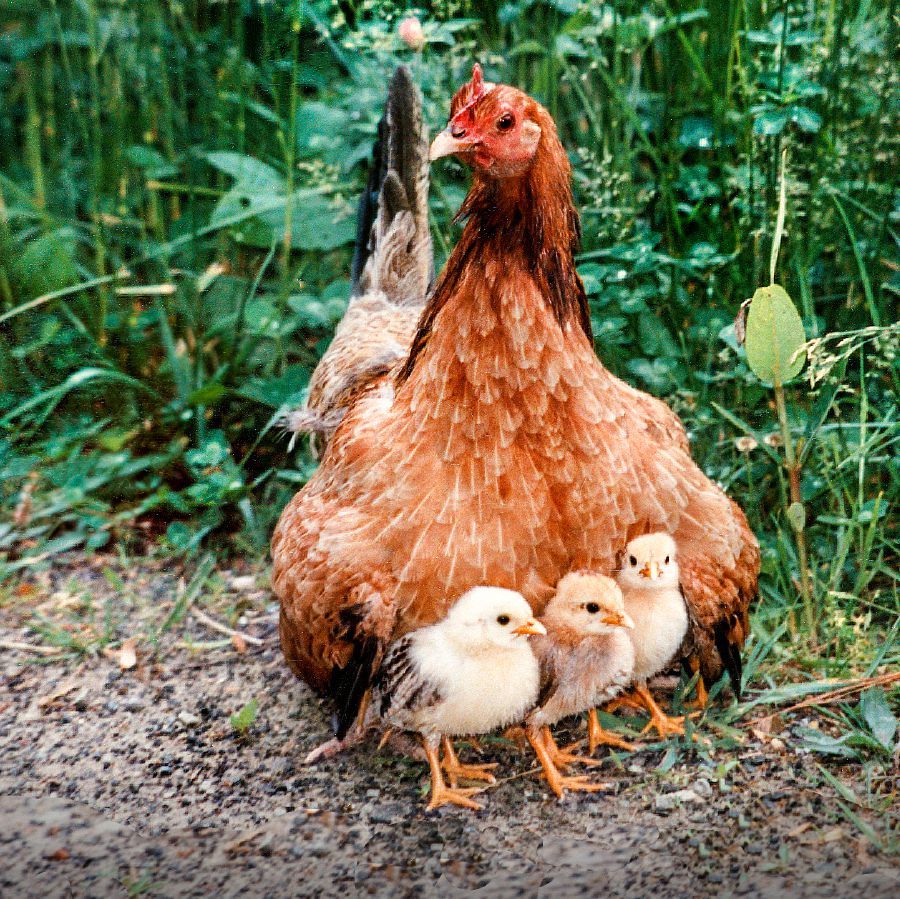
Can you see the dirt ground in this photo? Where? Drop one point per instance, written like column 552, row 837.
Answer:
column 125, row 781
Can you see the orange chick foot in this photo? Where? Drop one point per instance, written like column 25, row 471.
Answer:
column 444, row 795
column 597, row 736
column 456, row 770
column 665, row 725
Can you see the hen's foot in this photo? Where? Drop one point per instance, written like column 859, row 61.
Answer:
column 326, row 750
column 457, row 771
column 699, row 704
column 597, row 736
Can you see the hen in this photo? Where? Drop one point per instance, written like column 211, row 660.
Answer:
column 502, row 451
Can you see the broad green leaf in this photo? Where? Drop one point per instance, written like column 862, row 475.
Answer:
column 875, row 709
column 247, row 170
column 775, row 336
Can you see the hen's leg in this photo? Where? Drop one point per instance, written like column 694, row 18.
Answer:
column 558, row 782
column 455, row 769
column 441, row 794
column 699, row 704
column 334, row 746
column 597, row 736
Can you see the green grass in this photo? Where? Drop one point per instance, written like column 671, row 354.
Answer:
column 177, row 187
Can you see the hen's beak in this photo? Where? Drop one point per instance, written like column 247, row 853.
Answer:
column 532, row 628
column 445, row 144
column 650, row 570
column 618, row 619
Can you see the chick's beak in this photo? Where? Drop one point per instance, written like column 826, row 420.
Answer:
column 618, row 619
column 532, row 628
column 650, row 570
column 445, row 144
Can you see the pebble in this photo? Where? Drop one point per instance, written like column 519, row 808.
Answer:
column 702, row 787
column 188, row 719
column 668, row 801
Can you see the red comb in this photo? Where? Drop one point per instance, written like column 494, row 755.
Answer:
column 473, row 91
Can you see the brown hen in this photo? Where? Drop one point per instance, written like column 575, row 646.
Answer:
column 503, row 452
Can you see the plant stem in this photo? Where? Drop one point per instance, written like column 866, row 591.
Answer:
column 793, row 470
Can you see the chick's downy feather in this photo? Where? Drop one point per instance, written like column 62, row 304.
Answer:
column 503, row 452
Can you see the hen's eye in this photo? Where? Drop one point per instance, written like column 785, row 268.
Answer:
column 503, row 620
column 633, row 560
column 593, row 608
column 667, row 560
column 505, row 122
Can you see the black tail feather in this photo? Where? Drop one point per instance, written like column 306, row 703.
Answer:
column 730, row 654
column 397, row 176
column 349, row 684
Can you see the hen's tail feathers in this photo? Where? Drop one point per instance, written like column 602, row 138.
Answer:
column 366, row 624
column 730, row 653
column 393, row 252
column 349, row 684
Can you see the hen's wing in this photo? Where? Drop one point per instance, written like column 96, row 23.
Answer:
column 392, row 268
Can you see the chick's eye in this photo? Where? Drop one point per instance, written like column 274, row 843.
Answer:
column 667, row 560
column 632, row 560
column 505, row 122
column 503, row 620
column 593, row 608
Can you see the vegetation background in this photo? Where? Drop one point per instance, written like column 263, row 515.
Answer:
column 178, row 181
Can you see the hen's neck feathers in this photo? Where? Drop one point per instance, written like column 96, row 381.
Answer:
column 528, row 222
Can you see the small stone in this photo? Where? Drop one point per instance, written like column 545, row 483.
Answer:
column 668, row 801
column 702, row 787
column 188, row 719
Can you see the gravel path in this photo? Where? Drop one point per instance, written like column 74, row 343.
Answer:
column 134, row 782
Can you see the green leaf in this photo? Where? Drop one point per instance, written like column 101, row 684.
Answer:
column 243, row 720
column 770, row 122
column 875, row 709
column 775, row 336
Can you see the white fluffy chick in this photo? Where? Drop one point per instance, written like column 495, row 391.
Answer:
column 586, row 659
column 470, row 673
column 649, row 579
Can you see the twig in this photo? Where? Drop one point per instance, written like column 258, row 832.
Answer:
column 881, row 680
column 214, row 625
column 30, row 647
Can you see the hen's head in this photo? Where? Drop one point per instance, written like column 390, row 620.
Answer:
column 493, row 127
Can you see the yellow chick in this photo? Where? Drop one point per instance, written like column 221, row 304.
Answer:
column 649, row 579
column 470, row 673
column 586, row 659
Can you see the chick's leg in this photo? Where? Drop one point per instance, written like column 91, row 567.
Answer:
column 597, row 736
column 558, row 782
column 562, row 758
column 441, row 794
column 629, row 699
column 455, row 769
column 666, row 725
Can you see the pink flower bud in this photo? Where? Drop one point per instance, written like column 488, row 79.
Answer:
column 411, row 33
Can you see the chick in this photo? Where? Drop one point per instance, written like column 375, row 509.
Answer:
column 470, row 673
column 586, row 658
column 649, row 580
